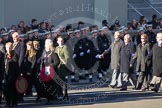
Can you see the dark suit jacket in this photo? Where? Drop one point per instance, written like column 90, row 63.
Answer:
column 20, row 51
column 30, row 65
column 11, row 67
column 1, row 65
column 126, row 54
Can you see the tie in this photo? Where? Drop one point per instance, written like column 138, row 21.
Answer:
column 14, row 45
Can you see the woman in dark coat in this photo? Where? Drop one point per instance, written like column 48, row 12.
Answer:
column 11, row 74
column 36, row 45
column 127, row 50
column 30, row 67
column 49, row 58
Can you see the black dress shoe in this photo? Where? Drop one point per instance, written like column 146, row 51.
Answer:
column 112, row 86
column 152, row 85
column 155, row 90
column 138, row 88
column 123, row 89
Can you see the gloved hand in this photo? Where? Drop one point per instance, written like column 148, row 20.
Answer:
column 88, row 51
column 3, row 81
column 82, row 53
column 74, row 56
column 97, row 56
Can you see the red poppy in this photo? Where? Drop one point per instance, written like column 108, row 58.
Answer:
column 8, row 56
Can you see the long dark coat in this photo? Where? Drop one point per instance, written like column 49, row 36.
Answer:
column 126, row 54
column 157, row 60
column 49, row 59
column 142, row 55
column 115, row 49
column 2, row 53
column 11, row 74
column 84, row 61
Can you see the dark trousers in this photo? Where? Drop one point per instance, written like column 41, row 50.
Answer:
column 10, row 93
column 143, row 80
column 32, row 80
column 140, row 80
column 1, row 91
column 63, row 90
column 104, row 63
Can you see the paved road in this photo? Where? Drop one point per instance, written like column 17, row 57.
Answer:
column 95, row 95
column 101, row 97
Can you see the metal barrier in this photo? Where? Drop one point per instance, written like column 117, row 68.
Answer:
column 135, row 32
column 155, row 1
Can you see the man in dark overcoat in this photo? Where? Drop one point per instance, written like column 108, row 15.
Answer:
column 157, row 63
column 127, row 50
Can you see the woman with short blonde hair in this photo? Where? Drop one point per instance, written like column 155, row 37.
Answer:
column 49, row 61
column 49, row 45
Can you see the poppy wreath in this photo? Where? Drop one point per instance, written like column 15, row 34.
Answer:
column 21, row 85
column 47, row 76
